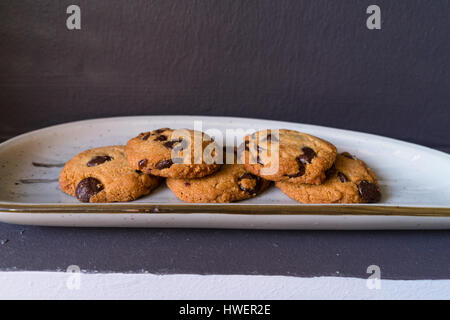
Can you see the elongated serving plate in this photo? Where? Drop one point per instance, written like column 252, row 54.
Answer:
column 415, row 182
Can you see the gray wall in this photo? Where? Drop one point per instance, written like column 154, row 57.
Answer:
column 310, row 61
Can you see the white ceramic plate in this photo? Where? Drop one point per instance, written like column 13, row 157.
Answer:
column 415, row 182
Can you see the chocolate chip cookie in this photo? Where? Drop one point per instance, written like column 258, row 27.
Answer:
column 349, row 180
column 231, row 183
column 181, row 153
column 103, row 175
column 287, row 155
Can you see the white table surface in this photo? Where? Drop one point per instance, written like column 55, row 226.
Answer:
column 61, row 285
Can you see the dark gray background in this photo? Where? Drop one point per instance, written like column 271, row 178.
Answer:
column 311, row 61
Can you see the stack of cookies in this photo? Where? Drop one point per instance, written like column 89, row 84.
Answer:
column 309, row 169
column 197, row 169
column 190, row 161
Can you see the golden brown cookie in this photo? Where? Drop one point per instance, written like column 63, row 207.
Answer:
column 348, row 181
column 103, row 175
column 302, row 158
column 172, row 153
column 231, row 183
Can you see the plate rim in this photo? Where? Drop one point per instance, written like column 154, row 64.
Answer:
column 244, row 209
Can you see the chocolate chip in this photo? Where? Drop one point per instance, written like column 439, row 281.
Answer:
column 146, row 136
column 138, row 171
column 259, row 160
column 348, row 155
column 98, row 160
column 239, row 150
column 164, row 164
column 301, row 171
column 187, row 184
column 88, row 187
column 170, row 144
column 246, row 145
column 161, row 138
column 342, row 177
column 161, row 130
column 369, row 191
column 248, row 176
column 307, row 156
column 142, row 163
column 301, row 168
column 330, row 172
column 258, row 149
